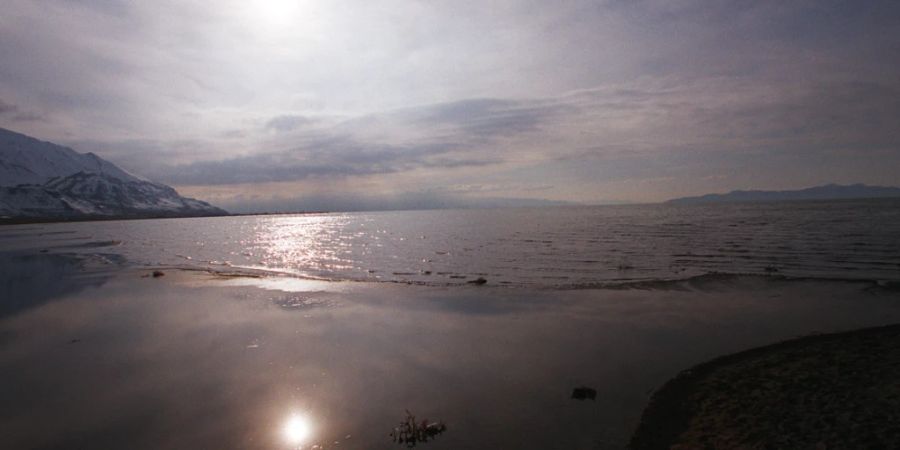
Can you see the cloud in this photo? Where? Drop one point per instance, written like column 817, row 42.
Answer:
column 6, row 108
column 587, row 97
column 651, row 129
column 446, row 135
column 486, row 118
column 287, row 122
column 479, row 188
column 328, row 158
column 15, row 114
column 376, row 202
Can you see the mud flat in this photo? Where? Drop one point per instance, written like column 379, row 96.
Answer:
column 838, row 390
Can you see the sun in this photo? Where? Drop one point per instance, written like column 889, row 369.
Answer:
column 297, row 429
column 276, row 12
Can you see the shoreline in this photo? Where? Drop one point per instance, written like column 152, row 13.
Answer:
column 699, row 408
column 693, row 283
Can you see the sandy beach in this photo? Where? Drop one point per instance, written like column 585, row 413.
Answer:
column 99, row 356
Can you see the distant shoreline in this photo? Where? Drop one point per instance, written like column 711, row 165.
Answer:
column 42, row 220
column 825, row 192
column 39, row 220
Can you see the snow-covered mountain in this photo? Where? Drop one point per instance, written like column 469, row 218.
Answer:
column 42, row 180
column 26, row 160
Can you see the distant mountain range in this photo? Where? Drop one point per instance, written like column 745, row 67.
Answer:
column 44, row 181
column 826, row 192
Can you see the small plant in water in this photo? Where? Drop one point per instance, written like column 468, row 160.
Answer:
column 411, row 432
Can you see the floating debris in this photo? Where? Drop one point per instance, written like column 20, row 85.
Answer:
column 584, row 393
column 411, row 432
column 158, row 273
column 478, row 280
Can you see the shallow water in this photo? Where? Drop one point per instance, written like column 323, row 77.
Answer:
column 192, row 360
column 565, row 247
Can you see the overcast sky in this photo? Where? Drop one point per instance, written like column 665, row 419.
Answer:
column 282, row 104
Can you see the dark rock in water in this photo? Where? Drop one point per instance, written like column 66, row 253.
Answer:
column 478, row 280
column 584, row 393
column 157, row 274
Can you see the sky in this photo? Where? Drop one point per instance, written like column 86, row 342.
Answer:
column 279, row 105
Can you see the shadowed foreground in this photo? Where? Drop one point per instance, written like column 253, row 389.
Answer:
column 826, row 391
column 96, row 354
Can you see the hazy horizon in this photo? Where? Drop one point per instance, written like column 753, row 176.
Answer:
column 291, row 105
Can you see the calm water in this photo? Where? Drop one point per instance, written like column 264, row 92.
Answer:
column 192, row 360
column 545, row 247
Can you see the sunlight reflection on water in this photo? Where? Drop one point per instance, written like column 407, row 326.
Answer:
column 286, row 284
column 313, row 242
column 297, row 429
column 543, row 247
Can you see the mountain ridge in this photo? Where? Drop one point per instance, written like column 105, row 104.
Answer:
column 830, row 191
column 40, row 180
column 27, row 160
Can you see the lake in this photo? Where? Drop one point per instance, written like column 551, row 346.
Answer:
column 324, row 330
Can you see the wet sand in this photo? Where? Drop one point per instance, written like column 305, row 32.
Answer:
column 193, row 360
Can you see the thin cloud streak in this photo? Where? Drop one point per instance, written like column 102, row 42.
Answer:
column 638, row 125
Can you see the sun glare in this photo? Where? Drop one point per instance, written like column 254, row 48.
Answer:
column 296, row 429
column 276, row 12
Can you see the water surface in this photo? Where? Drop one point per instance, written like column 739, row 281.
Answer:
column 314, row 317
column 560, row 247
column 195, row 361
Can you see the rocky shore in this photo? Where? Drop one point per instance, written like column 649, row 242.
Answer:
column 818, row 392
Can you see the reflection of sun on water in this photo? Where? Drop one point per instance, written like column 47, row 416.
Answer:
column 316, row 246
column 296, row 429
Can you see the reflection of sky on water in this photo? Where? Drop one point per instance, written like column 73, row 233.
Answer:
column 28, row 280
column 151, row 363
